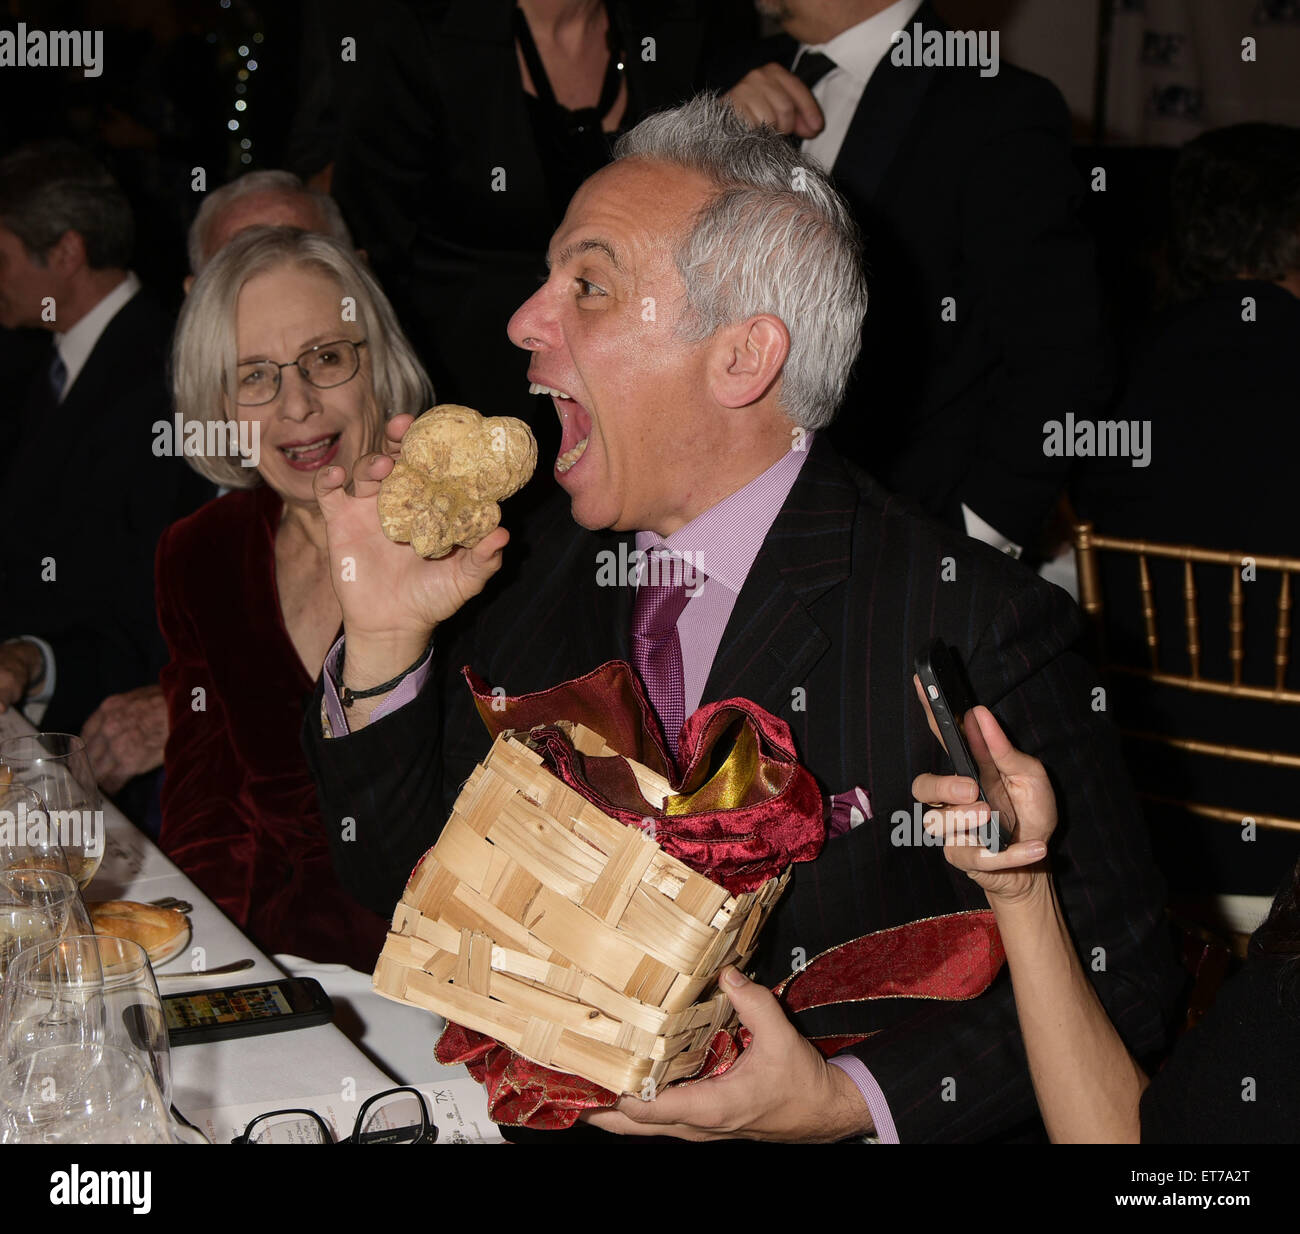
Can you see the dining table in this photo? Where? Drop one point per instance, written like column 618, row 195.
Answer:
column 371, row 1044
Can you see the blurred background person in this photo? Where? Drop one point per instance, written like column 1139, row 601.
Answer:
column 126, row 734
column 985, row 316
column 245, row 599
column 1216, row 381
column 456, row 162
column 1089, row 1088
column 259, row 198
column 83, row 495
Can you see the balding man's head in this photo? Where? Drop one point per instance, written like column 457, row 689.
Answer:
column 260, row 198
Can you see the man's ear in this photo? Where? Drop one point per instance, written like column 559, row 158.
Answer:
column 68, row 254
column 750, row 358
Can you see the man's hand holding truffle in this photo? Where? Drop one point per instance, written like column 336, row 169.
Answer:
column 455, row 466
column 392, row 598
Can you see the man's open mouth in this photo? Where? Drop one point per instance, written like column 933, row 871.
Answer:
column 575, row 425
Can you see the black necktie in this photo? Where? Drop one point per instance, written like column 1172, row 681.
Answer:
column 812, row 67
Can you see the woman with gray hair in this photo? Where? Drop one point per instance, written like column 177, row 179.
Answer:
column 287, row 359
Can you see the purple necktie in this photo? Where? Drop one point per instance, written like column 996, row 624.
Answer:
column 656, row 648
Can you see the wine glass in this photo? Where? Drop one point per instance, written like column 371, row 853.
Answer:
column 89, row 991
column 69, row 1094
column 37, row 906
column 57, row 768
column 26, row 841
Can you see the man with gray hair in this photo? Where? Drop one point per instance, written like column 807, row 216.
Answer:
column 83, row 497
column 270, row 198
column 694, row 335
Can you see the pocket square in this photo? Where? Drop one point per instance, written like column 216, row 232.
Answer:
column 848, row 810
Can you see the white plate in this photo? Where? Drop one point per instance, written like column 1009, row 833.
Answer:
column 163, row 955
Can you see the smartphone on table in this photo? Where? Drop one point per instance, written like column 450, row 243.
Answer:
column 246, row 1010
column 945, row 689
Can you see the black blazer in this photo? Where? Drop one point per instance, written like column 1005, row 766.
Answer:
column 847, row 588
column 963, row 187
column 83, row 500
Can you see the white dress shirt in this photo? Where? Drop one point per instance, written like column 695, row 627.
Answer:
column 856, row 52
column 75, row 345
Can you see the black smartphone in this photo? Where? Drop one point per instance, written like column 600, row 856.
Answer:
column 944, row 684
column 246, row 1010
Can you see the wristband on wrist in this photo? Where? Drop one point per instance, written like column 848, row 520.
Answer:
column 347, row 695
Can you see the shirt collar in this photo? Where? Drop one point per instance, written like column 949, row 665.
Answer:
column 859, row 49
column 723, row 542
column 76, row 344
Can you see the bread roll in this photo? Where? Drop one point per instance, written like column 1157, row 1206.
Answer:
column 155, row 929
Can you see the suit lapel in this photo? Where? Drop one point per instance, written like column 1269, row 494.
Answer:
column 772, row 641
column 604, row 621
column 884, row 114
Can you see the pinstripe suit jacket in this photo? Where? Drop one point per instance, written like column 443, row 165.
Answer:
column 848, row 586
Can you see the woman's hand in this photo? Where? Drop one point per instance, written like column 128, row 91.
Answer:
column 391, row 597
column 1017, row 786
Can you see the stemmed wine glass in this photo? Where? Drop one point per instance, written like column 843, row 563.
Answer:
column 26, row 840
column 37, row 906
column 57, row 768
column 84, row 1055
column 66, row 1094
column 89, row 991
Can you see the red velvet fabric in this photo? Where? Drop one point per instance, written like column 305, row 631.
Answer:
column 239, row 806
column 950, row 958
column 743, row 826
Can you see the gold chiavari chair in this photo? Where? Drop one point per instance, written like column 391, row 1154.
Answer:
column 1089, row 549
column 1088, row 546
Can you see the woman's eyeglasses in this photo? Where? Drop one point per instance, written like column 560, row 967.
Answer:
column 324, row 366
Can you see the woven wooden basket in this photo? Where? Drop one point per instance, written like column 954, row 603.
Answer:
column 566, row 935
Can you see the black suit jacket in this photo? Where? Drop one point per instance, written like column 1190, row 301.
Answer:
column 848, row 587
column 963, row 187
column 83, row 500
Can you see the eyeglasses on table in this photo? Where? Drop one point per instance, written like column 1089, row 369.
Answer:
column 396, row 1116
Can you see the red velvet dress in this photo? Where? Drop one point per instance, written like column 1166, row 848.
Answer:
column 238, row 805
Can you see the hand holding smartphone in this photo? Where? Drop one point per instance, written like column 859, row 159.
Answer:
column 945, row 690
